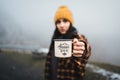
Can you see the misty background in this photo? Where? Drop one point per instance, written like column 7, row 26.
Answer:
column 29, row 24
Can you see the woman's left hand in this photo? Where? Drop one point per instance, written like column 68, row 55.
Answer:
column 78, row 48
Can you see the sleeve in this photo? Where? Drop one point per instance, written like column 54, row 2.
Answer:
column 86, row 53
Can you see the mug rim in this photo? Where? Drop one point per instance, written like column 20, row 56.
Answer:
column 62, row 39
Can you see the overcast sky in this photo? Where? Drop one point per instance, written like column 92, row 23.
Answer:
column 32, row 22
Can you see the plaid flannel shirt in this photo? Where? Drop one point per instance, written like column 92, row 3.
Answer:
column 72, row 68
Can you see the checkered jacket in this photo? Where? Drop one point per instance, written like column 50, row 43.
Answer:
column 72, row 68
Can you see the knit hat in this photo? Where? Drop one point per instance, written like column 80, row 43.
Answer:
column 63, row 12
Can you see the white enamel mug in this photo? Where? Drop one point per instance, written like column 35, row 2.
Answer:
column 63, row 48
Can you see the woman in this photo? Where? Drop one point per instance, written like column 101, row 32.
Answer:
column 72, row 68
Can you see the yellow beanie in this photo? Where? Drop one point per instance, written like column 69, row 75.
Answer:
column 64, row 12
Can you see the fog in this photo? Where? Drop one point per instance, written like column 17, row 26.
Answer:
column 30, row 23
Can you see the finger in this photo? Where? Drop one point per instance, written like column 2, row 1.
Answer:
column 79, row 48
column 79, row 44
column 78, row 52
column 76, row 55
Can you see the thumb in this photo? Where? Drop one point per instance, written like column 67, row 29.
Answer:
column 75, row 40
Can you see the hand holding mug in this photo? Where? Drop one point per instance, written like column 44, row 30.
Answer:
column 78, row 48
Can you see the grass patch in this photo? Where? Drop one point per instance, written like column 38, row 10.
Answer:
column 108, row 67
column 26, row 59
column 93, row 76
column 21, row 66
